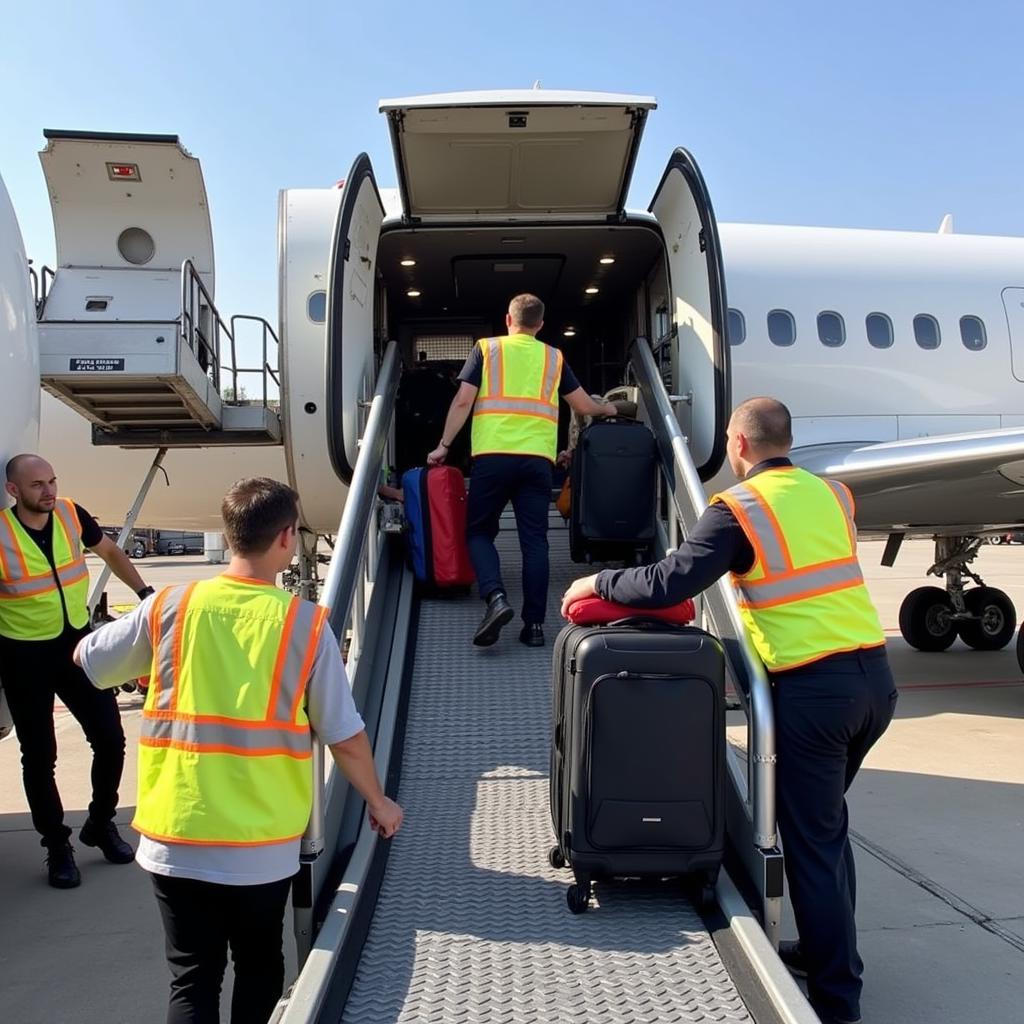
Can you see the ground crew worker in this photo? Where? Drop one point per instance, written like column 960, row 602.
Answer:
column 44, row 590
column 511, row 385
column 789, row 539
column 242, row 675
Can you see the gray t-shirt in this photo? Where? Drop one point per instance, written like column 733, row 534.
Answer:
column 122, row 650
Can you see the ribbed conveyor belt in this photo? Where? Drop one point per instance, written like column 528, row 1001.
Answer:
column 471, row 922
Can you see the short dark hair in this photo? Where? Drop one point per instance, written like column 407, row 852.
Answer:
column 526, row 310
column 255, row 511
column 766, row 422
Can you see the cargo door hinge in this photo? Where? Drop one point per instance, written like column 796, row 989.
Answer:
column 703, row 241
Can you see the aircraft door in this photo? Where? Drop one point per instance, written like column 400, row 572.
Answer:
column 700, row 371
column 351, row 361
column 1013, row 303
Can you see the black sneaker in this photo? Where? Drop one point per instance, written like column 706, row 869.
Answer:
column 532, row 634
column 792, row 956
column 498, row 613
column 109, row 841
column 61, row 869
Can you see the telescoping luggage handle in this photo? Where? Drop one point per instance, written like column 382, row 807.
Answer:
column 648, row 622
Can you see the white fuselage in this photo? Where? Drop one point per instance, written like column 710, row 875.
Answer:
column 857, row 392
column 19, row 377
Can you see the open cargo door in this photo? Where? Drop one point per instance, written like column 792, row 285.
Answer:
column 350, row 365
column 700, row 363
column 525, row 154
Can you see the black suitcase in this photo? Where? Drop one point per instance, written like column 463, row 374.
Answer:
column 638, row 755
column 614, row 487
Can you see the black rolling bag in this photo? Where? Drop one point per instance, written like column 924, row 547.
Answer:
column 638, row 755
column 614, row 487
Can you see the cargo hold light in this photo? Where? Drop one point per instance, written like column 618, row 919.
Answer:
column 413, row 293
column 123, row 172
column 606, row 260
column 592, row 290
column 569, row 332
column 407, row 263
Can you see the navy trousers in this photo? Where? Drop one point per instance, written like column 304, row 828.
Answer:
column 494, row 481
column 827, row 717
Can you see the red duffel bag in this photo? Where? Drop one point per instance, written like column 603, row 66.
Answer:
column 596, row 611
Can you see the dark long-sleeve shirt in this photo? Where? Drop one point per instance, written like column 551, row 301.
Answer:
column 715, row 546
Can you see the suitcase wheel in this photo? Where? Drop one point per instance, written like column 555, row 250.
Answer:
column 556, row 858
column 578, row 897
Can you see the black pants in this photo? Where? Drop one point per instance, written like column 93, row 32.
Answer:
column 494, row 481
column 827, row 717
column 201, row 920
column 33, row 672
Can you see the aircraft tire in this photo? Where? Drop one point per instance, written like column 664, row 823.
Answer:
column 926, row 619
column 996, row 622
column 1020, row 648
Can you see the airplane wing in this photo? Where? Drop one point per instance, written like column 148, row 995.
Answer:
column 951, row 484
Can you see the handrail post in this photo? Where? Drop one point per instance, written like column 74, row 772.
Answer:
column 689, row 498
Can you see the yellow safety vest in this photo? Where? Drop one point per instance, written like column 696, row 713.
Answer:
column 225, row 744
column 31, row 607
column 804, row 598
column 516, row 409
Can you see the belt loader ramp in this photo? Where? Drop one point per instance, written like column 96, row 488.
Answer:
column 460, row 917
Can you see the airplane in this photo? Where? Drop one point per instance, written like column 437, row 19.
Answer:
column 899, row 353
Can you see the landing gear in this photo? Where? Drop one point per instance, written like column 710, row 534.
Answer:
column 926, row 619
column 995, row 622
column 1020, row 648
column 931, row 618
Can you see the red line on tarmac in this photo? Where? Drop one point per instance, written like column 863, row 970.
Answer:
column 962, row 685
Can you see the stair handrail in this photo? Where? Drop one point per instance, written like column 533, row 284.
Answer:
column 354, row 550
column 266, row 369
column 191, row 326
column 748, row 673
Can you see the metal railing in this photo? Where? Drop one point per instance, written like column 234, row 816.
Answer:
column 352, row 571
column 265, row 369
column 756, row 845
column 40, row 286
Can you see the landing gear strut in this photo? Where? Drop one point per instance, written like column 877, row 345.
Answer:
column 984, row 618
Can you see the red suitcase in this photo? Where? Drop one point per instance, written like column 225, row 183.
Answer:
column 435, row 508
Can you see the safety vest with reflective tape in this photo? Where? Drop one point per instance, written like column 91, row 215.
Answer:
column 225, row 745
column 30, row 588
column 516, row 409
column 804, row 598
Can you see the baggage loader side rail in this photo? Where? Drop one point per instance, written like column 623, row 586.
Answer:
column 361, row 572
column 750, row 820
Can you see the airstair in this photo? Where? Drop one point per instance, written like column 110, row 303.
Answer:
column 460, row 917
column 129, row 335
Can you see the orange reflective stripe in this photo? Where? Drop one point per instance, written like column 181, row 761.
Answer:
column 179, row 630
column 548, row 372
column 845, row 498
column 167, row 743
column 748, row 528
column 155, row 624
column 776, row 529
column 488, row 346
column 163, row 838
column 157, row 714
column 319, row 621
column 15, row 546
column 283, row 648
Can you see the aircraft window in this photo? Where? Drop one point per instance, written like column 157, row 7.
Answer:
column 926, row 331
column 316, row 307
column 879, row 328
column 737, row 329
column 972, row 333
column 781, row 327
column 831, row 329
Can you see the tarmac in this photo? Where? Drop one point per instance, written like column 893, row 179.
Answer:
column 937, row 816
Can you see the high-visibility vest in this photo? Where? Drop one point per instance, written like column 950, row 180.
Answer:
column 225, row 746
column 516, row 409
column 31, row 606
column 804, row 598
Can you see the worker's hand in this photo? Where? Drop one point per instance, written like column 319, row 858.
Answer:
column 385, row 817
column 437, row 456
column 564, row 459
column 578, row 589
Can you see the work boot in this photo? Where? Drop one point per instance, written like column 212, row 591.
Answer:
column 532, row 634
column 109, row 841
column 792, row 956
column 498, row 613
column 61, row 869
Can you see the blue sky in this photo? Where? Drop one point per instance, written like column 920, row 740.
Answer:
column 871, row 114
